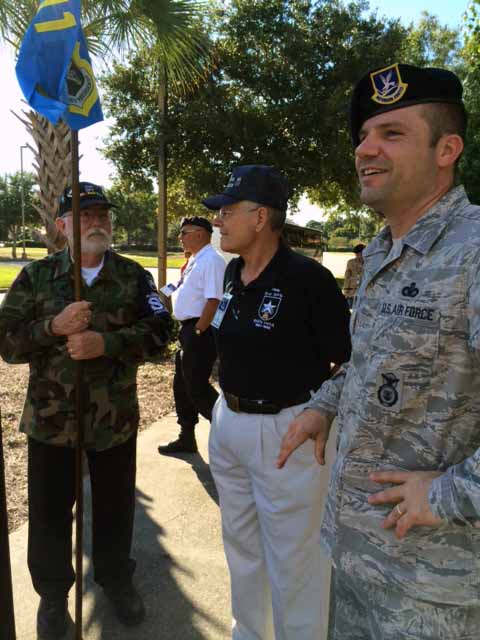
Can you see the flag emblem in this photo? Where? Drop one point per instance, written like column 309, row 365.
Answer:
column 54, row 69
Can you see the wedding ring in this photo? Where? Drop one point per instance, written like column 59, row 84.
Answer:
column 399, row 511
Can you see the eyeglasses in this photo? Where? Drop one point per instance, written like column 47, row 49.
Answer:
column 87, row 216
column 184, row 233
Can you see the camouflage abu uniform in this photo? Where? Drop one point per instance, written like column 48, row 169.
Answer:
column 353, row 275
column 135, row 326
column 409, row 399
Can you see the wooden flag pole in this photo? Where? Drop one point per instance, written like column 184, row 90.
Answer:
column 7, row 617
column 77, row 271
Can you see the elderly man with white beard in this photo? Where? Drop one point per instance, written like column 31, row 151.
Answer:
column 119, row 323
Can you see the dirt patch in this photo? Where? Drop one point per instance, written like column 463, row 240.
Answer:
column 156, row 400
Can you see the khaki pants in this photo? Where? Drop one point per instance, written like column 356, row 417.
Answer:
column 271, row 526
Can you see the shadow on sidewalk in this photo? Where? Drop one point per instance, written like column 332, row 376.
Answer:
column 201, row 470
column 170, row 612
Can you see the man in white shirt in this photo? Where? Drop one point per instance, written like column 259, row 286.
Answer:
column 195, row 300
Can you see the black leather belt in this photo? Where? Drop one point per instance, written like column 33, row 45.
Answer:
column 243, row 405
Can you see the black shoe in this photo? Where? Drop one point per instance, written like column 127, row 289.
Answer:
column 183, row 444
column 127, row 603
column 52, row 618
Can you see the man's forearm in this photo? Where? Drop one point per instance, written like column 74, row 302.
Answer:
column 207, row 314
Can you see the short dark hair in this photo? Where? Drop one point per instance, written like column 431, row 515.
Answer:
column 443, row 118
column 276, row 218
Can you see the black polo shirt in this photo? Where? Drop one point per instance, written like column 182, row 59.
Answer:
column 281, row 332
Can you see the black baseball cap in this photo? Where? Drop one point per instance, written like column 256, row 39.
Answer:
column 89, row 194
column 256, row 182
column 198, row 221
column 401, row 85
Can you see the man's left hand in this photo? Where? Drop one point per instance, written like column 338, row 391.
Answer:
column 410, row 497
column 86, row 345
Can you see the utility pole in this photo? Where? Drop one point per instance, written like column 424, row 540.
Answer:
column 22, row 195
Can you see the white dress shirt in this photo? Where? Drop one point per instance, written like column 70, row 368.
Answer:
column 201, row 280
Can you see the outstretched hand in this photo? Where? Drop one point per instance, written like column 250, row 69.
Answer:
column 309, row 424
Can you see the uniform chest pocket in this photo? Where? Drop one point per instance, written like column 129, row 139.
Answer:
column 415, row 337
column 403, row 353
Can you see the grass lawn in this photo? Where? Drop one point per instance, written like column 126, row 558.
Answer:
column 174, row 260
column 7, row 276
column 33, row 253
column 8, row 273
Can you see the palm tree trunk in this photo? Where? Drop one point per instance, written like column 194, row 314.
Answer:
column 53, row 165
column 162, row 178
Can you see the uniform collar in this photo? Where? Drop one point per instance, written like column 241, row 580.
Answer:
column 426, row 230
column 202, row 252
column 65, row 264
column 269, row 276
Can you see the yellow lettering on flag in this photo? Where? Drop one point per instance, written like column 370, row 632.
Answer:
column 66, row 22
column 50, row 3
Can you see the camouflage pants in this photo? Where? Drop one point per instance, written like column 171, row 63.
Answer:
column 362, row 611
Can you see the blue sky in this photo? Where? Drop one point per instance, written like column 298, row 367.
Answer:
column 449, row 11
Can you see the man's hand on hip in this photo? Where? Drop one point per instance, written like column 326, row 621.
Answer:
column 74, row 318
column 309, row 424
column 87, row 345
column 410, row 497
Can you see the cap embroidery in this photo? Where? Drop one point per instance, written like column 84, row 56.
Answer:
column 388, row 85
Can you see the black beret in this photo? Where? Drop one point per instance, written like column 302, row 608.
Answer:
column 398, row 86
column 198, row 221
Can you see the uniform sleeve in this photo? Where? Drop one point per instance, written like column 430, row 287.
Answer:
column 455, row 496
column 213, row 277
column 327, row 398
column 146, row 338
column 22, row 333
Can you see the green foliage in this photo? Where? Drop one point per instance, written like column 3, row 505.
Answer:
column 11, row 204
column 135, row 212
column 470, row 164
column 429, row 43
column 278, row 95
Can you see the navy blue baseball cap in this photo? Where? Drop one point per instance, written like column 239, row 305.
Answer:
column 401, row 85
column 255, row 182
column 89, row 194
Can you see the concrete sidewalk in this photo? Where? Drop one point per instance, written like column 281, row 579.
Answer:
column 181, row 568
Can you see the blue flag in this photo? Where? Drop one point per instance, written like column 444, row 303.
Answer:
column 54, row 69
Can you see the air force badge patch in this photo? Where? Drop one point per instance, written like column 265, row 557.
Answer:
column 387, row 85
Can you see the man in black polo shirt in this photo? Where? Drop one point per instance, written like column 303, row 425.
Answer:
column 281, row 323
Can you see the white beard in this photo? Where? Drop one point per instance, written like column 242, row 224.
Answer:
column 95, row 241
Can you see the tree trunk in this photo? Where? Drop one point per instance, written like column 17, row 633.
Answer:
column 53, row 165
column 162, row 178
column 14, row 242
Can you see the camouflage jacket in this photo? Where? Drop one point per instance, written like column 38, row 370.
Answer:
column 135, row 326
column 409, row 399
column 353, row 275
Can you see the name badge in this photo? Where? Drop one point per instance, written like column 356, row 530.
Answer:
column 221, row 310
column 168, row 289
